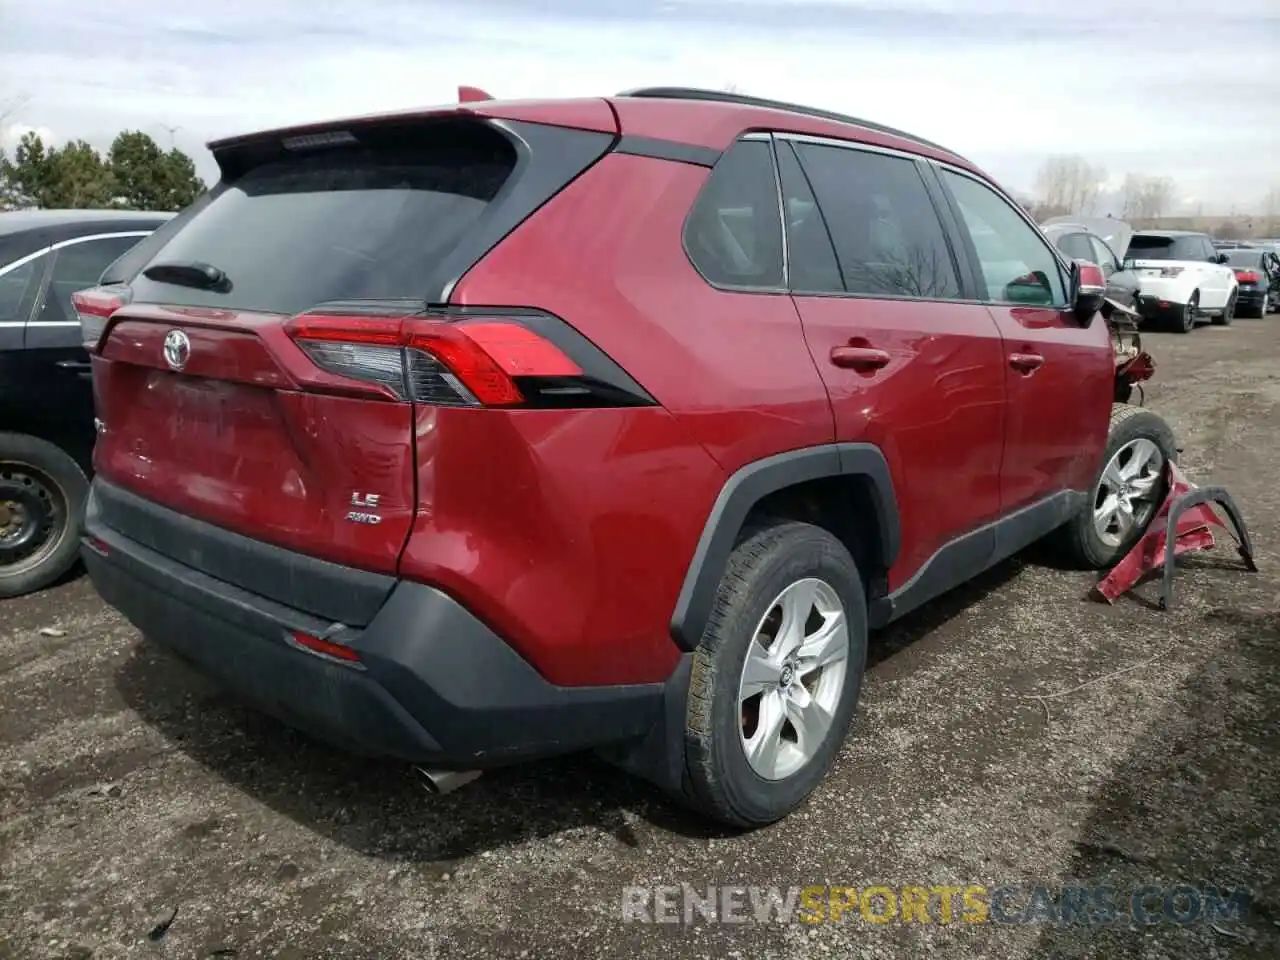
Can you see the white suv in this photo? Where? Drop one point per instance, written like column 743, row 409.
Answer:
column 1181, row 278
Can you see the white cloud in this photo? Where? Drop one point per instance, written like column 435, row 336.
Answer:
column 11, row 135
column 1001, row 81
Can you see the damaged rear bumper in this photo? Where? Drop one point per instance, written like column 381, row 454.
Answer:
column 432, row 683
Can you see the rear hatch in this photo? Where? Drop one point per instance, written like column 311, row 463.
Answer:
column 260, row 369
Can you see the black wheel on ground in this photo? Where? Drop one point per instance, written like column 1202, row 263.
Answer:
column 776, row 677
column 1127, row 493
column 1184, row 319
column 42, row 498
column 1228, row 312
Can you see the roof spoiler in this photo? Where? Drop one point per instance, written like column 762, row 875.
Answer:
column 472, row 94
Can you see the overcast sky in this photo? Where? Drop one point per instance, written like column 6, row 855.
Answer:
column 1186, row 89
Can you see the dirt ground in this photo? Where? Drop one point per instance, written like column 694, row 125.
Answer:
column 129, row 789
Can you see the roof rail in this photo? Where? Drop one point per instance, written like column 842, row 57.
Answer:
column 723, row 96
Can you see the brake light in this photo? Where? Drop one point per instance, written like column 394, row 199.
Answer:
column 462, row 357
column 1246, row 276
column 94, row 307
column 1171, row 271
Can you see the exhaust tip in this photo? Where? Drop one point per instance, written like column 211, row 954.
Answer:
column 441, row 782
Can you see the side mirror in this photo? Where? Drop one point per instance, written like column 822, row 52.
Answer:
column 1088, row 290
column 1221, row 258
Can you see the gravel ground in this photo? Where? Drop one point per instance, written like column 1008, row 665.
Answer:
column 129, row 789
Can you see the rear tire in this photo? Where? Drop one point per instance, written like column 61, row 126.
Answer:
column 748, row 762
column 1185, row 319
column 1228, row 313
column 1135, row 432
column 42, row 498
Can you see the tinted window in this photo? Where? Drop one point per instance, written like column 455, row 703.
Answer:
column 366, row 221
column 1171, row 248
column 13, row 287
column 734, row 232
column 1017, row 265
column 887, row 235
column 77, row 267
column 1244, row 258
column 1076, row 246
column 1151, row 248
column 811, row 260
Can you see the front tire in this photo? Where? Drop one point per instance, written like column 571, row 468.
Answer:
column 1127, row 493
column 776, row 677
column 42, row 498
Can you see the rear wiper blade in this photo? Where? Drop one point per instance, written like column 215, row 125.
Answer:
column 190, row 273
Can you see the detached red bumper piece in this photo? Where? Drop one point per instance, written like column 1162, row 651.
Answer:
column 1184, row 523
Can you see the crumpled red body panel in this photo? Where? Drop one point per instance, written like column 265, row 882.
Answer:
column 1193, row 519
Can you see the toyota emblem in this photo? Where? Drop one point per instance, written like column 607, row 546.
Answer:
column 177, row 348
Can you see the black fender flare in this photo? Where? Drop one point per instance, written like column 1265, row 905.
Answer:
column 744, row 489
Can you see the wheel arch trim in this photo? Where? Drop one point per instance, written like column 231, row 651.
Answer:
column 748, row 486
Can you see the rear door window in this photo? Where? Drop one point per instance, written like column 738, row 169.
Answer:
column 811, row 258
column 734, row 232
column 76, row 267
column 366, row 220
column 888, row 238
column 1103, row 255
column 1076, row 246
column 15, row 283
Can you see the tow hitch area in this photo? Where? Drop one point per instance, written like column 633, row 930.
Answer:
column 1184, row 523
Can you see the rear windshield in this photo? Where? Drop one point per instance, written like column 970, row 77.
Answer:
column 1164, row 248
column 1244, row 258
column 358, row 221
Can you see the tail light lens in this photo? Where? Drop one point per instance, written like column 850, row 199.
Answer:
column 1246, row 276
column 94, row 308
column 1171, row 271
column 463, row 357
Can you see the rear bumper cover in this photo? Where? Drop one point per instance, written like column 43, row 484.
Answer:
column 434, row 684
column 1158, row 308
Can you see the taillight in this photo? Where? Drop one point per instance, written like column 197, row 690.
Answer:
column 1171, row 271
column 1246, row 276
column 463, row 357
column 94, row 308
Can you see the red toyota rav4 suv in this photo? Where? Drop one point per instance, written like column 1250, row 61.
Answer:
column 502, row 430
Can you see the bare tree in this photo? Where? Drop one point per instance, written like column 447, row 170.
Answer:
column 1271, row 212
column 1144, row 198
column 1067, row 183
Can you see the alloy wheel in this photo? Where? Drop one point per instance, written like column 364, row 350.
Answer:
column 1125, row 498
column 793, row 678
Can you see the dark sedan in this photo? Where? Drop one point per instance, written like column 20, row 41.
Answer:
column 46, row 396
column 1258, row 273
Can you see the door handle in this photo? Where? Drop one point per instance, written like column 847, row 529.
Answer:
column 859, row 358
column 1026, row 362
